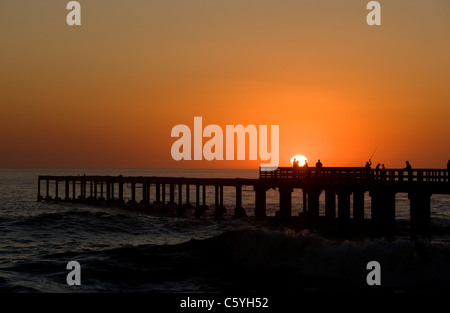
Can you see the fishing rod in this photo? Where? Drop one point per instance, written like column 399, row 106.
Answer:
column 370, row 159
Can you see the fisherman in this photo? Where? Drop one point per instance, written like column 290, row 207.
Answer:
column 319, row 164
column 368, row 164
column 378, row 166
column 408, row 166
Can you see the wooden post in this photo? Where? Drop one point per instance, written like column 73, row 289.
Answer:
column 197, row 195
column 330, row 203
column 108, row 191
column 313, row 204
column 180, row 195
column 216, row 202
column 344, row 212
column 204, row 195
column 112, row 191
column 260, row 201
column 47, row 197
column 187, row 194
column 420, row 213
column 285, row 201
column 358, row 205
column 158, row 193
column 238, row 196
column 133, row 191
column 67, row 193
column 121, row 192
column 39, row 189
column 171, row 194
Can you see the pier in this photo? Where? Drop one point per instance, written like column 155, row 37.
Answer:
column 344, row 189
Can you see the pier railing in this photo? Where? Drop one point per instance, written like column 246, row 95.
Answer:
column 358, row 173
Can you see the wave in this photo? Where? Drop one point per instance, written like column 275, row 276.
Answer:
column 255, row 260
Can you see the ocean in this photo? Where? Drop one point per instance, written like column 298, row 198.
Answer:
column 128, row 251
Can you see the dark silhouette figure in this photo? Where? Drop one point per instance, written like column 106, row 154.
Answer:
column 319, row 164
column 306, row 164
column 408, row 166
column 383, row 172
column 378, row 166
column 295, row 163
column 368, row 164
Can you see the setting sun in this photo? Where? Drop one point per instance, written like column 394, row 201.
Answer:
column 300, row 158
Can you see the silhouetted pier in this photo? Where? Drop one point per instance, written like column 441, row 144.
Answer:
column 344, row 189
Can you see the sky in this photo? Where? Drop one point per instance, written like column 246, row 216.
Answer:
column 107, row 93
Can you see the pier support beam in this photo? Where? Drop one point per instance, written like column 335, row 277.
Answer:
column 132, row 201
column 171, row 194
column 313, row 204
column 144, row 200
column 163, row 193
column 158, row 193
column 56, row 190
column 197, row 195
column 260, row 201
column 180, row 195
column 188, row 200
column 330, row 203
column 39, row 197
column 67, row 192
column 204, row 195
column 47, row 196
column 285, row 202
column 112, row 196
column 74, row 195
column 383, row 212
column 239, row 210
column 108, row 192
column 121, row 200
column 420, row 213
column 358, row 205
column 344, row 211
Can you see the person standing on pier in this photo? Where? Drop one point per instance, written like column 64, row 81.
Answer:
column 409, row 169
column 408, row 166
column 319, row 164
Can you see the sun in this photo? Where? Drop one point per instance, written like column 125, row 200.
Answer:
column 300, row 158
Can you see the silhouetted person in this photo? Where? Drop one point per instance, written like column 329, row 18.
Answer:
column 378, row 166
column 319, row 164
column 368, row 164
column 383, row 172
column 295, row 163
column 408, row 166
column 306, row 164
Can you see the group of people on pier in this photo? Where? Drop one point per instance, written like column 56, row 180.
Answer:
column 295, row 163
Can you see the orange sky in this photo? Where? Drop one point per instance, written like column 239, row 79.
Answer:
column 107, row 93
